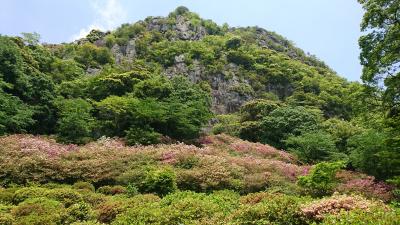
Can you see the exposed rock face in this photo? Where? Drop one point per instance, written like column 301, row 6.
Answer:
column 183, row 28
column 225, row 86
column 186, row 31
column 179, row 68
column 158, row 24
column 92, row 71
column 225, row 99
column 130, row 50
column 118, row 53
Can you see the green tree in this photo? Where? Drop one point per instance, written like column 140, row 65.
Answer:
column 75, row 121
column 341, row 131
column 65, row 70
column 31, row 38
column 286, row 121
column 11, row 63
column 380, row 53
column 312, row 147
column 380, row 57
column 90, row 55
column 371, row 154
column 120, row 116
column 228, row 124
column 15, row 116
column 188, row 109
column 257, row 109
column 142, row 136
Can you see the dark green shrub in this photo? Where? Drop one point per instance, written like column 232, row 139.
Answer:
column 369, row 152
column 75, row 122
column 181, row 10
column 95, row 35
column 256, row 109
column 92, row 56
column 241, row 58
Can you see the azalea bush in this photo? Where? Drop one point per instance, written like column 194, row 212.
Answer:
column 108, row 166
column 319, row 209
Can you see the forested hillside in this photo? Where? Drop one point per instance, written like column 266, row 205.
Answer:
column 234, row 111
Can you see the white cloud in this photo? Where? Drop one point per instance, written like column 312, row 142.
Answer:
column 108, row 15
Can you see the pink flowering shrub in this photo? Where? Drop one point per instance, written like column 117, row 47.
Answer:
column 223, row 162
column 368, row 187
column 334, row 205
column 258, row 149
column 211, row 173
column 31, row 145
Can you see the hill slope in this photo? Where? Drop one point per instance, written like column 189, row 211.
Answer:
column 239, row 64
column 134, row 79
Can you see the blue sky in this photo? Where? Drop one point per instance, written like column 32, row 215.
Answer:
column 327, row 28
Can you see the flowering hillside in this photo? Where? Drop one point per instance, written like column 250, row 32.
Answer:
column 119, row 184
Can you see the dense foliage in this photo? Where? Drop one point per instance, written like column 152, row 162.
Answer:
column 45, row 91
column 380, row 57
